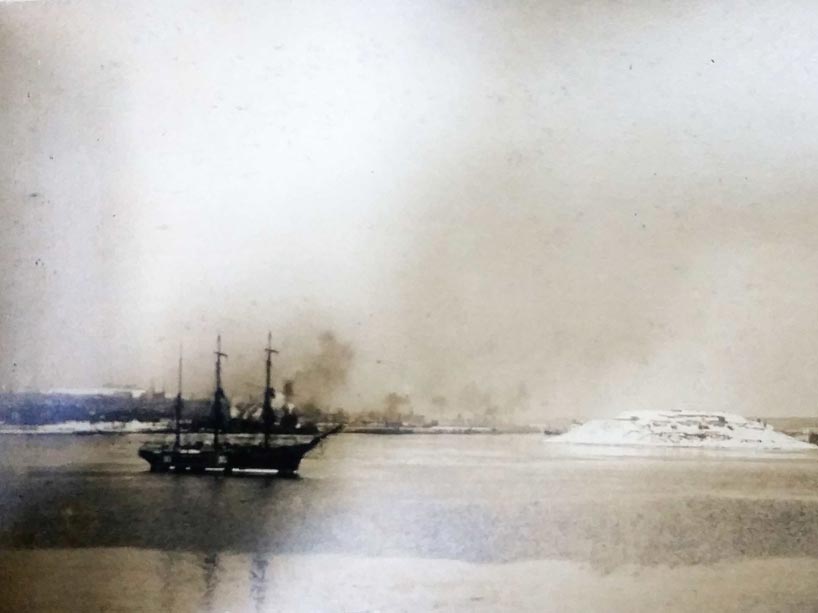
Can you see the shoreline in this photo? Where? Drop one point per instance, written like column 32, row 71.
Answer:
column 125, row 428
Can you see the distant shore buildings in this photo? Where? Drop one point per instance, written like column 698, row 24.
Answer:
column 106, row 391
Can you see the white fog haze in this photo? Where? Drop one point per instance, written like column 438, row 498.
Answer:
column 566, row 209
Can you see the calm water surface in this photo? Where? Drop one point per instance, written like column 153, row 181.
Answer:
column 408, row 523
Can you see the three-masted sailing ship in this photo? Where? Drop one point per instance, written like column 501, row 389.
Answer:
column 280, row 451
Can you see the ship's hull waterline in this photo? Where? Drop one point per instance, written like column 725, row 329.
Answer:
column 282, row 458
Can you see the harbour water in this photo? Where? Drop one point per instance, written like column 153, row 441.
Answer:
column 407, row 523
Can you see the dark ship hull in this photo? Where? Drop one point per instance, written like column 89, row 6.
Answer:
column 282, row 457
column 279, row 453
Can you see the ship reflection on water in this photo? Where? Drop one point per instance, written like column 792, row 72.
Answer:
column 254, row 583
column 258, row 581
column 210, row 565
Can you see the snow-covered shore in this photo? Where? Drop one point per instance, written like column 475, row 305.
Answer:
column 86, row 427
column 681, row 428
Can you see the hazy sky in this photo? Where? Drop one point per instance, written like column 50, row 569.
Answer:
column 612, row 204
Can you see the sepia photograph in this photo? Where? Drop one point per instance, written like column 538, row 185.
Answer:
column 408, row 305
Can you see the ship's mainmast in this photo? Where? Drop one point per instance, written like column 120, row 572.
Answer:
column 177, row 407
column 269, row 393
column 218, row 396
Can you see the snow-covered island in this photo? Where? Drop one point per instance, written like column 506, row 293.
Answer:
column 681, row 428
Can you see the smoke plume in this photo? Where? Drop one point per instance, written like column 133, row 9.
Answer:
column 324, row 373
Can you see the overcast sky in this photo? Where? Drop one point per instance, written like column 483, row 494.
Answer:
column 608, row 205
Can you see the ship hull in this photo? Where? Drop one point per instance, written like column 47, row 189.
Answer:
column 284, row 458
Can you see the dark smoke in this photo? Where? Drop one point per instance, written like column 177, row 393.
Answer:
column 393, row 405
column 324, row 374
column 289, row 390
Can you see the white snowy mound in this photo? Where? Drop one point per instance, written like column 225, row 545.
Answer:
column 679, row 428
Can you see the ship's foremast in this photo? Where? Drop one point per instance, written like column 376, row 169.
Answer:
column 218, row 395
column 269, row 393
column 177, row 406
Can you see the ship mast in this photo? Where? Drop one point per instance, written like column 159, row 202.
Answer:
column 177, row 407
column 269, row 393
column 218, row 396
